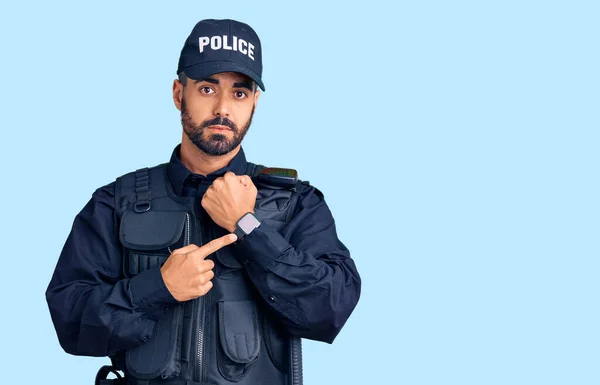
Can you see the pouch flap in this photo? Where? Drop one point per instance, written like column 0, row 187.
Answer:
column 151, row 230
column 239, row 330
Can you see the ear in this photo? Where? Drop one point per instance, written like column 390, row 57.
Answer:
column 256, row 96
column 177, row 93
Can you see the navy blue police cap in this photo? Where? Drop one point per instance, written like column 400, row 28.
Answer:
column 216, row 46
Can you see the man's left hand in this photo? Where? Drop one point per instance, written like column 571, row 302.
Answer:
column 228, row 198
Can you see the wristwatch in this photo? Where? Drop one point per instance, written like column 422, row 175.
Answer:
column 245, row 225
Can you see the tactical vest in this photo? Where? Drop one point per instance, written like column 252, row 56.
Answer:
column 224, row 337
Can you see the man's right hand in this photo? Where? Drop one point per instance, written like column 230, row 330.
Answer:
column 187, row 274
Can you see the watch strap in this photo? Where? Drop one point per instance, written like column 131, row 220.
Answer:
column 240, row 234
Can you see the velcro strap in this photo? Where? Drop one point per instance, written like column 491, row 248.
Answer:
column 142, row 190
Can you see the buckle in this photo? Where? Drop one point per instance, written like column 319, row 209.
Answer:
column 102, row 376
column 142, row 206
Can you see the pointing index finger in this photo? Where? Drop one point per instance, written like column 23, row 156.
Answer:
column 185, row 249
column 215, row 245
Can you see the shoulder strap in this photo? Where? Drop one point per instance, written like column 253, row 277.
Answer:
column 275, row 177
column 140, row 187
column 253, row 169
column 143, row 196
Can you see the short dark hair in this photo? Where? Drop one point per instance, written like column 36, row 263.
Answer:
column 183, row 80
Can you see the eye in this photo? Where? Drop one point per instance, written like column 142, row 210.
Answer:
column 240, row 94
column 207, row 90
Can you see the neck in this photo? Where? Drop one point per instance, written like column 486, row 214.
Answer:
column 200, row 162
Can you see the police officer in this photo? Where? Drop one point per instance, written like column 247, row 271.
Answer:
column 207, row 269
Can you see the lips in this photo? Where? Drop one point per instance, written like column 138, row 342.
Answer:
column 220, row 128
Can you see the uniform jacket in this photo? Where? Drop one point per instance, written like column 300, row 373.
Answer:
column 288, row 279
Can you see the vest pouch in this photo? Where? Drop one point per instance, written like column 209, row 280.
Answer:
column 160, row 356
column 146, row 236
column 154, row 230
column 239, row 337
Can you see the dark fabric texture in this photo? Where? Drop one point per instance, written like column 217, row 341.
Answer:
column 303, row 272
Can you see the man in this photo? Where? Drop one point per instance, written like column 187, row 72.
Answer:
column 207, row 269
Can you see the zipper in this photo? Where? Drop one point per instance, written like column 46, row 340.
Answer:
column 187, row 241
column 200, row 314
column 200, row 341
column 187, row 229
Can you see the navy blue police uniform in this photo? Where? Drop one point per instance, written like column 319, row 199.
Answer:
column 289, row 278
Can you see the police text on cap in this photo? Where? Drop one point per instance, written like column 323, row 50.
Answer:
column 221, row 42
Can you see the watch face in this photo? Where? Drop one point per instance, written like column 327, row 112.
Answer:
column 248, row 223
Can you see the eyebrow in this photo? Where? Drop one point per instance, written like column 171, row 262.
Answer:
column 244, row 84
column 208, row 80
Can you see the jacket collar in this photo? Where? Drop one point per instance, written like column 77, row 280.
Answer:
column 179, row 174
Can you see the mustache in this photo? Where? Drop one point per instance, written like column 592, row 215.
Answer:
column 220, row 121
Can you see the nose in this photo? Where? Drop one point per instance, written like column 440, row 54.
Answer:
column 222, row 106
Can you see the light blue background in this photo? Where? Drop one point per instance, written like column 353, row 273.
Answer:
column 456, row 144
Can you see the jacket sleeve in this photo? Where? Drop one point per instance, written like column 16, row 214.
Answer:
column 304, row 272
column 95, row 312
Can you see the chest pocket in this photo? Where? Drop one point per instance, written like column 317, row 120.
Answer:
column 150, row 237
column 147, row 238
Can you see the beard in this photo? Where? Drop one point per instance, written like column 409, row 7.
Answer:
column 210, row 143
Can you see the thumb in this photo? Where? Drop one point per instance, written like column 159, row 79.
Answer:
column 245, row 180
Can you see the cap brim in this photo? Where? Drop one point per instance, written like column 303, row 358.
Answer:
column 204, row 70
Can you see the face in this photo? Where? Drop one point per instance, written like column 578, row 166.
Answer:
column 216, row 112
